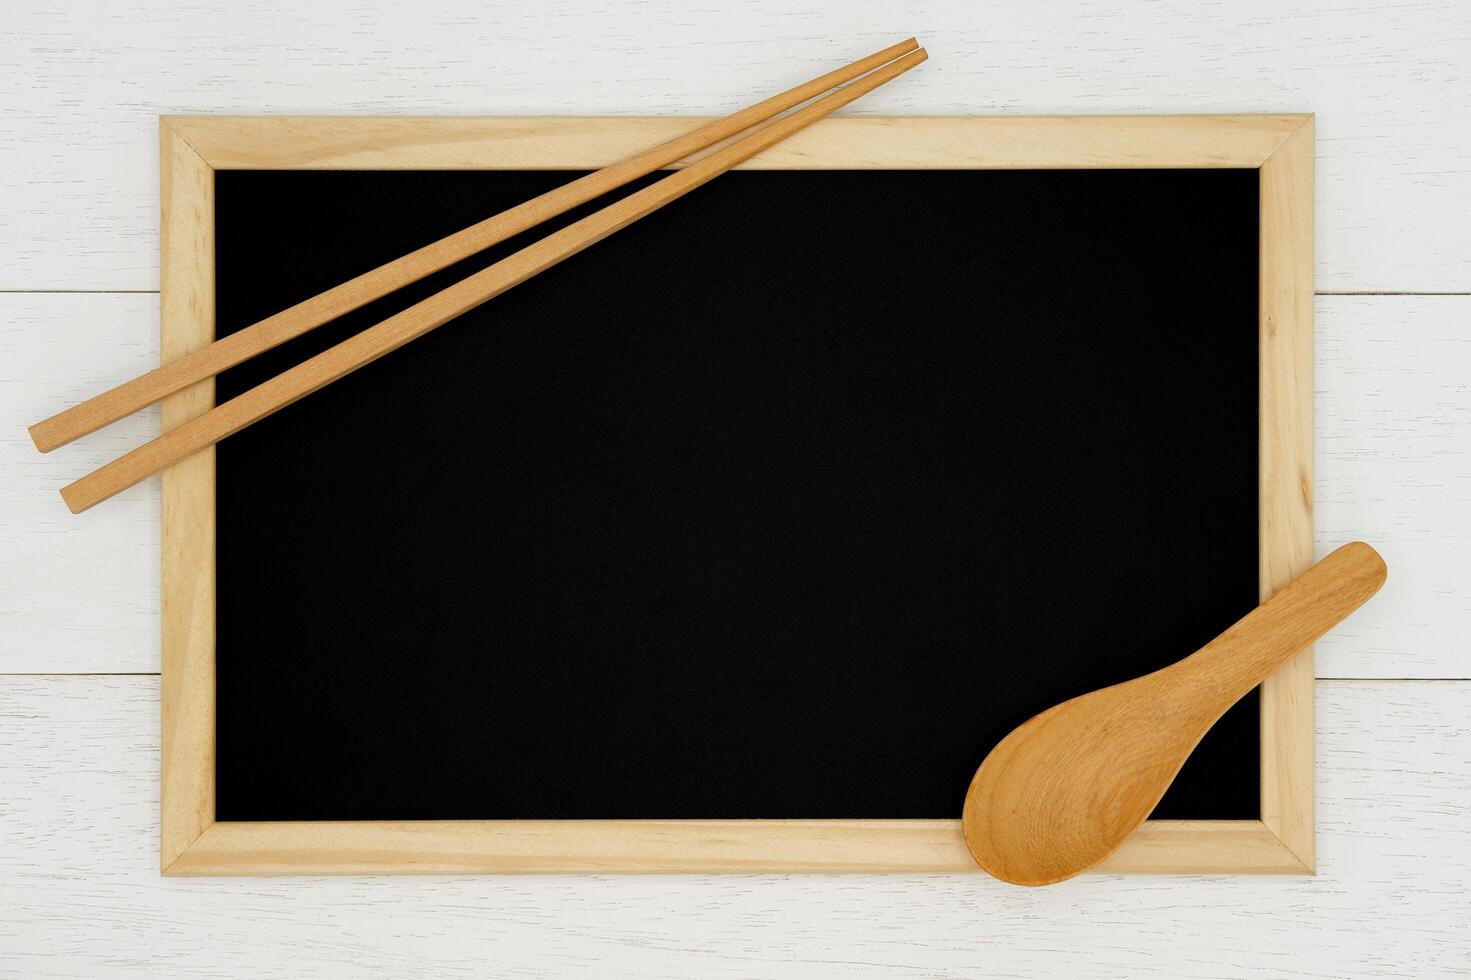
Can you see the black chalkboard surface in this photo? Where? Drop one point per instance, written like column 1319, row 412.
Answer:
column 788, row 501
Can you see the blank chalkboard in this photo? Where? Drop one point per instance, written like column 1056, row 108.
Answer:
column 787, row 501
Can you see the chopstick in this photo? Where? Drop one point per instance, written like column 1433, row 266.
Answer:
column 392, row 333
column 108, row 407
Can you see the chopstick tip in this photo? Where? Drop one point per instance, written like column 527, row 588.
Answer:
column 37, row 433
column 73, row 504
column 80, row 495
column 910, row 60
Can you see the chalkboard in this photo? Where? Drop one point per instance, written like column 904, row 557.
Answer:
column 786, row 502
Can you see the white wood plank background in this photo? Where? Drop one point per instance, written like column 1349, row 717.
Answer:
column 80, row 86
column 84, row 80
column 80, row 896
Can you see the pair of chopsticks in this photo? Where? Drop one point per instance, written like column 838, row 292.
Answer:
column 392, row 333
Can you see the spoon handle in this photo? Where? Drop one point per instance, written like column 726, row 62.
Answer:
column 1267, row 637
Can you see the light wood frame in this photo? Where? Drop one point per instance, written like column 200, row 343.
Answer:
column 192, row 148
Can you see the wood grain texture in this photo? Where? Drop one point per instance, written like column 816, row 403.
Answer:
column 1285, row 473
column 188, row 526
column 80, row 894
column 1386, row 81
column 686, row 847
column 1068, row 787
column 106, row 615
column 1393, row 461
column 841, row 143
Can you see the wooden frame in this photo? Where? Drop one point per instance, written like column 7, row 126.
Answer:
column 192, row 148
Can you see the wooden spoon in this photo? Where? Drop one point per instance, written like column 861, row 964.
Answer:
column 1065, row 789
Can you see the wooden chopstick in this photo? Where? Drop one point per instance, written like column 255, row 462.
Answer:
column 417, row 320
column 108, row 407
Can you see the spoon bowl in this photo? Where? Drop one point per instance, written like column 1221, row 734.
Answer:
column 1065, row 789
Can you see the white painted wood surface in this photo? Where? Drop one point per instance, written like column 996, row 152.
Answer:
column 80, row 86
column 82, row 82
column 1393, row 461
column 80, row 894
